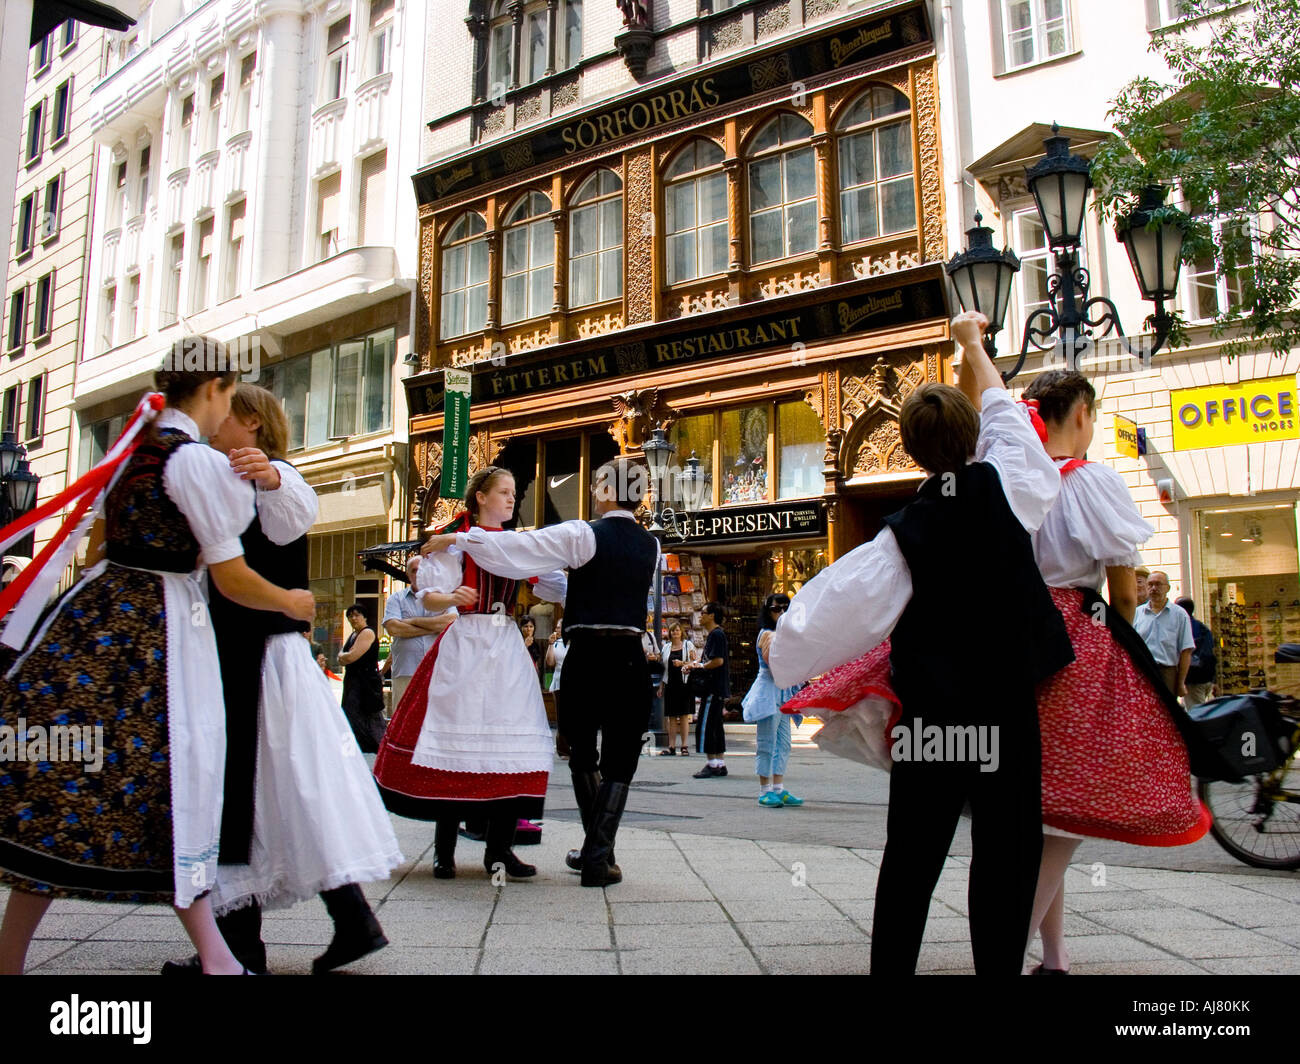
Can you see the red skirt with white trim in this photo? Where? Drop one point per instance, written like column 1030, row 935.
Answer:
column 421, row 793
column 1114, row 765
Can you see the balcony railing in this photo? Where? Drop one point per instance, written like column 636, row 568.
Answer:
column 326, row 125
column 372, row 111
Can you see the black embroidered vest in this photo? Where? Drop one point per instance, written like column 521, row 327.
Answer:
column 611, row 589
column 144, row 528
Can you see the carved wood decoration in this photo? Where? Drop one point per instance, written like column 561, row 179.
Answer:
column 425, row 298
column 639, row 239
column 639, row 414
column 925, row 94
column 871, row 398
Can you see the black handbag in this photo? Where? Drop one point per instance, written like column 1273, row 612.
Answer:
column 1241, row 735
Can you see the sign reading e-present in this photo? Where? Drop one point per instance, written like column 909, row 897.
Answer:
column 1220, row 415
column 736, row 524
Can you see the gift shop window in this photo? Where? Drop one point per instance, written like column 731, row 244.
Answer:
column 1250, row 593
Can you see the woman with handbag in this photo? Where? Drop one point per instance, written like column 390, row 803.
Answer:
column 679, row 703
column 762, row 706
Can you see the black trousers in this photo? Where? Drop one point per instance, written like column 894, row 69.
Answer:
column 606, row 690
column 710, row 733
column 926, row 799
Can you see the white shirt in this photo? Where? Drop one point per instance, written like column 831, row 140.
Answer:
column 569, row 544
column 851, row 606
column 289, row 511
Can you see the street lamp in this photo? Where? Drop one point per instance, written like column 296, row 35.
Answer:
column 658, row 453
column 694, row 488
column 1059, row 183
column 18, row 486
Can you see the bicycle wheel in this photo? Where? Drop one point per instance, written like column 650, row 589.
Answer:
column 1253, row 822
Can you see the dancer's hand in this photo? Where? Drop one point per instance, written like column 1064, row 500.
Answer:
column 968, row 328
column 299, row 605
column 464, row 596
column 249, row 463
column 434, row 544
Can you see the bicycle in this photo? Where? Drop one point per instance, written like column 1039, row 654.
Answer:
column 1257, row 819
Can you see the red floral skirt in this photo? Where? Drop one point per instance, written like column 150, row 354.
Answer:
column 1114, row 765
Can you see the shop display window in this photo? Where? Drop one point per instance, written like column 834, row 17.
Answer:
column 800, row 451
column 1248, row 576
column 693, row 435
column 744, row 455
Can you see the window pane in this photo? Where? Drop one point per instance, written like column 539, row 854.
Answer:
column 582, row 281
column 713, row 198
column 801, row 446
column 453, row 268
column 611, row 274
column 681, row 257
column 679, row 200
column 858, row 214
column 744, row 455
column 764, row 184
column 801, row 227
column 563, row 486
column 800, row 180
column 513, row 297
column 898, row 206
column 476, row 308
column 765, row 235
column 378, row 380
column 478, row 262
column 857, row 159
column 713, row 250
column 516, row 249
column 536, row 45
column 347, row 387
column 543, row 291
column 692, row 435
column 582, row 231
column 611, row 223
column 453, row 307
column 896, row 150
column 318, row 398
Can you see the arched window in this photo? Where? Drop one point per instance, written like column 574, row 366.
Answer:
column 463, row 306
column 695, row 198
column 596, row 240
column 528, row 274
column 782, row 190
column 877, row 185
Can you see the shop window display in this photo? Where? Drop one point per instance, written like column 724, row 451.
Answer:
column 1249, row 576
column 693, row 435
column 744, row 455
column 800, row 451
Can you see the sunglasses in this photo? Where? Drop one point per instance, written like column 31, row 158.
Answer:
column 778, row 608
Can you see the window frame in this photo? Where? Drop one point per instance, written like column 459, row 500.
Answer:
column 35, row 432
column 169, row 315
column 528, row 223
column 64, row 90
column 108, row 324
column 874, row 126
column 780, row 152
column 134, row 286
column 710, row 170
column 380, row 33
column 44, row 56
column 594, row 256
column 11, row 414
column 466, row 241
column 327, row 246
column 243, row 111
column 36, row 126
column 17, row 320
column 43, row 323
column 144, row 163
column 26, row 229
column 183, row 131
column 1037, row 26
column 211, row 139
column 68, row 41
column 1222, row 296
column 50, row 232
column 201, row 267
column 232, row 266
column 335, row 61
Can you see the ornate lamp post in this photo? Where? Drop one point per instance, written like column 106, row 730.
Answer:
column 1073, row 318
column 18, row 486
column 658, row 453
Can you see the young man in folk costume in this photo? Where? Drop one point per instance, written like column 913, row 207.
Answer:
column 611, row 564
column 301, row 814
column 952, row 576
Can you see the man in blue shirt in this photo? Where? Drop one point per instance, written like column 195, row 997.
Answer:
column 1200, row 676
column 1167, row 632
column 413, row 630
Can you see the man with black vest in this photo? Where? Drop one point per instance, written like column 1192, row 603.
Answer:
column 611, row 564
column 952, row 581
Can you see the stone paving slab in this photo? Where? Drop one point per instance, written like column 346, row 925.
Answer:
column 693, row 903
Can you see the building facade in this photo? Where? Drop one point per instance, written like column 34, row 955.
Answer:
column 250, row 187
column 1221, row 495
column 723, row 219
column 46, row 256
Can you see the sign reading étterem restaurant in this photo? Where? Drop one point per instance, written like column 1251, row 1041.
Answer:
column 827, row 314
column 695, row 98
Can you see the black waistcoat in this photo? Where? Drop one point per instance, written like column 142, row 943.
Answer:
column 981, row 624
column 241, row 646
column 611, row 589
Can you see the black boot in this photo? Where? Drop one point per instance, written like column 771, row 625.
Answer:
column 356, row 931
column 242, row 930
column 500, row 837
column 598, row 869
column 585, row 785
column 444, row 849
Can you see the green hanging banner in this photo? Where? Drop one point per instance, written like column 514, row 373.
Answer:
column 455, row 435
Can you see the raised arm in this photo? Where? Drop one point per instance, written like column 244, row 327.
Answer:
column 977, row 373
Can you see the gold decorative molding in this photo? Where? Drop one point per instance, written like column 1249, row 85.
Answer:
column 639, row 241
column 639, row 414
column 879, row 265
column 597, row 324
column 425, row 301
column 930, row 183
column 790, row 283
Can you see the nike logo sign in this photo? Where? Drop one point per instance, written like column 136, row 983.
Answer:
column 557, row 481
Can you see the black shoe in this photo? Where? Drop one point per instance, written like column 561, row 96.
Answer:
column 444, row 850
column 192, row 966
column 598, row 869
column 667, row 751
column 721, row 770
column 515, row 868
column 528, row 834
column 709, row 771
column 443, row 871
column 356, row 931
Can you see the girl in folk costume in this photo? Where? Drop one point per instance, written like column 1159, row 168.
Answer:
column 470, row 738
column 301, row 813
column 1114, row 764
column 130, row 650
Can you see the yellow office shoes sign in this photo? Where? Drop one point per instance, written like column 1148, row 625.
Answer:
column 1221, row 415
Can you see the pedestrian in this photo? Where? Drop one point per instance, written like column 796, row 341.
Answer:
column 1167, row 632
column 412, row 628
column 1141, row 574
column 556, row 651
column 536, row 652
column 611, row 562
column 301, row 814
column 763, row 707
column 130, row 650
column 949, row 575
column 679, row 702
column 363, row 689
column 1201, row 671
column 470, row 739
column 1114, row 763
column 715, row 664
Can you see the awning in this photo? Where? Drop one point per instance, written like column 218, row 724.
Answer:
column 49, row 13
column 382, row 558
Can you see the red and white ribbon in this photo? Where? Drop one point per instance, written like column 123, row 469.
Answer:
column 29, row 592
